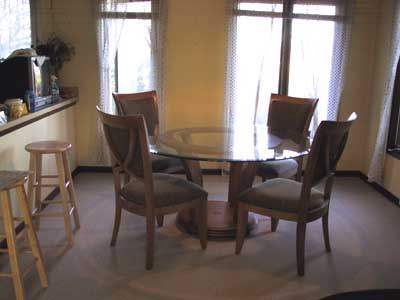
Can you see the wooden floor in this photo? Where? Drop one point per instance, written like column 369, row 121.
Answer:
column 365, row 237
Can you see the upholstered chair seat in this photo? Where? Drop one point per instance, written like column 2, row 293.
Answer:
column 290, row 117
column 170, row 190
column 280, row 194
column 164, row 163
column 279, row 168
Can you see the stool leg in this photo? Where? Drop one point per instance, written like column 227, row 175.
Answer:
column 33, row 241
column 71, row 189
column 31, row 180
column 38, row 191
column 64, row 197
column 11, row 245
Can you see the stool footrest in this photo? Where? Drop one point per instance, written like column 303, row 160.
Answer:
column 51, row 185
column 21, row 251
column 49, row 215
column 46, row 185
column 54, row 202
column 9, row 275
column 49, row 176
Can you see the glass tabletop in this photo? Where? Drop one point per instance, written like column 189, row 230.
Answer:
column 255, row 143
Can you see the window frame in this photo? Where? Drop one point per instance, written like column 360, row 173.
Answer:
column 130, row 16
column 287, row 17
column 393, row 142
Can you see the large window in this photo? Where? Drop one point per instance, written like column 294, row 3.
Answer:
column 133, row 61
column 15, row 26
column 296, row 48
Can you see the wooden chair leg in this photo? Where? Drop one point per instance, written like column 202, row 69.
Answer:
column 326, row 232
column 274, row 224
column 11, row 244
column 71, row 189
column 160, row 220
column 38, row 189
column 64, row 197
column 202, row 222
column 150, row 242
column 117, row 223
column 300, row 243
column 243, row 215
column 33, row 241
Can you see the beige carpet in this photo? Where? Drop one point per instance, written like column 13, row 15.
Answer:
column 365, row 237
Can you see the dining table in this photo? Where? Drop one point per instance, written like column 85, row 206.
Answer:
column 243, row 147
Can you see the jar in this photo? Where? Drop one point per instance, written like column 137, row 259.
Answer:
column 16, row 107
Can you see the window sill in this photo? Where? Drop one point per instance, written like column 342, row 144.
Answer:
column 35, row 116
column 394, row 153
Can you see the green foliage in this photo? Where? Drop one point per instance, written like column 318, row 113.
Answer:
column 57, row 50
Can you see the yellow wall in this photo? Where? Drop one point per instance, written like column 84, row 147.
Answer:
column 59, row 126
column 195, row 67
column 195, row 63
column 392, row 165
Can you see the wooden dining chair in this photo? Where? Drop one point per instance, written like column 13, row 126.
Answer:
column 146, row 193
column 146, row 104
column 286, row 199
column 289, row 118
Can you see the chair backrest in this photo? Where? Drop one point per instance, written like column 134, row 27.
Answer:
column 129, row 146
column 326, row 150
column 290, row 117
column 144, row 103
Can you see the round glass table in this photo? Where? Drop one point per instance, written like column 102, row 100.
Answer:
column 242, row 147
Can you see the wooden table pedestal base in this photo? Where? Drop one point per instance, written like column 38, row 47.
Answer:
column 221, row 225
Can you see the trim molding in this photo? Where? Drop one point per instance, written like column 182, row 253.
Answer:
column 376, row 186
column 104, row 169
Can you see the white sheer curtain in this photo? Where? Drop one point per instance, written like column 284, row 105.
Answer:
column 110, row 20
column 15, row 26
column 136, row 30
column 319, row 42
column 375, row 172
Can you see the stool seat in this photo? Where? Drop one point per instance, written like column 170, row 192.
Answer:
column 8, row 179
column 48, row 147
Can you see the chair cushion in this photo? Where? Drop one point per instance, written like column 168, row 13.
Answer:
column 165, row 164
column 280, row 194
column 280, row 168
column 168, row 190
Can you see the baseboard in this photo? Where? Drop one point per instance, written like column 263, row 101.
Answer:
column 105, row 169
column 376, row 186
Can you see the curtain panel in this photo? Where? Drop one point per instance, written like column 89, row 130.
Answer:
column 112, row 16
column 289, row 47
column 376, row 167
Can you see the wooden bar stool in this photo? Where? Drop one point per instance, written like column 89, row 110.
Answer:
column 65, row 183
column 15, row 180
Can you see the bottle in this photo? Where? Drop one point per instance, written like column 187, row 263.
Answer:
column 29, row 99
column 55, row 91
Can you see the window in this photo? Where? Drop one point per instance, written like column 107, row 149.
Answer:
column 133, row 61
column 296, row 48
column 15, row 26
column 393, row 145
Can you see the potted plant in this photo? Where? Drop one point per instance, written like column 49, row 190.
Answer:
column 57, row 50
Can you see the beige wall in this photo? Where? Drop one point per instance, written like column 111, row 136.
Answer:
column 392, row 164
column 195, row 67
column 59, row 126
column 73, row 20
